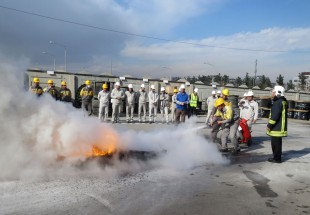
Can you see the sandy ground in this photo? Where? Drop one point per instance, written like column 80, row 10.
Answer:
column 248, row 185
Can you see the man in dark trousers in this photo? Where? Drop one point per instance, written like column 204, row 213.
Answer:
column 182, row 101
column 277, row 124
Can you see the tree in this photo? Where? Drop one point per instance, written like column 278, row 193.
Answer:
column 280, row 80
column 175, row 78
column 247, row 80
column 205, row 79
column 225, row 79
column 302, row 81
column 218, row 78
column 268, row 82
column 238, row 81
column 290, row 85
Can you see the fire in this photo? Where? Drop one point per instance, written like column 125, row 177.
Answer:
column 98, row 152
column 104, row 143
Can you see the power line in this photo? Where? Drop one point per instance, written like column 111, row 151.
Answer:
column 134, row 34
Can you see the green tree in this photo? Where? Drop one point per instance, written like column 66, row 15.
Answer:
column 175, row 78
column 218, row 78
column 205, row 79
column 225, row 79
column 268, row 82
column 290, row 85
column 280, row 80
column 238, row 81
column 247, row 80
column 302, row 81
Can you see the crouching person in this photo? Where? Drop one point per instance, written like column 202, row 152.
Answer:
column 226, row 119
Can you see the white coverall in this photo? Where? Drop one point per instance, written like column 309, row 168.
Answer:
column 173, row 107
column 249, row 111
column 130, row 105
column 210, row 104
column 164, row 103
column 142, row 105
column 153, row 101
column 116, row 103
column 104, row 98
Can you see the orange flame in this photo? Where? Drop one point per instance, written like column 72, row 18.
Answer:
column 104, row 144
column 98, row 152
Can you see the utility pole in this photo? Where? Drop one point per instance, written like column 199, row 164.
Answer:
column 255, row 71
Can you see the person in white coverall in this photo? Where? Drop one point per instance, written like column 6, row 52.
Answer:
column 104, row 98
column 153, row 102
column 254, row 106
column 130, row 103
column 142, row 102
column 117, row 96
column 174, row 105
column 210, row 104
column 164, row 103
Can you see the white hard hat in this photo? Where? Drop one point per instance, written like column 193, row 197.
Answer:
column 182, row 86
column 219, row 92
column 152, row 87
column 196, row 90
column 245, row 94
column 142, row 85
column 162, row 89
column 130, row 86
column 279, row 90
column 213, row 92
column 250, row 93
column 117, row 84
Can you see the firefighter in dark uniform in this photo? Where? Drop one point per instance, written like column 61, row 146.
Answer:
column 64, row 93
column 277, row 124
column 36, row 88
column 51, row 89
column 87, row 95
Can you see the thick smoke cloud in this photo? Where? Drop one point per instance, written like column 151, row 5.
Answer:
column 43, row 138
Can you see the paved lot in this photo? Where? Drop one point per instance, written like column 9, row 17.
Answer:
column 247, row 185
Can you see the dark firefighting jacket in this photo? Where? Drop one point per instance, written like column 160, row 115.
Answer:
column 278, row 118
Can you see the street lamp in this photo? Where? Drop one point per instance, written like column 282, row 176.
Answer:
column 59, row 44
column 53, row 58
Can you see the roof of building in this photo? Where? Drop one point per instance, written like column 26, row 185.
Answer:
column 305, row 73
column 243, row 86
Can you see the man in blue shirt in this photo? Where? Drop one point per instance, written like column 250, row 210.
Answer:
column 182, row 102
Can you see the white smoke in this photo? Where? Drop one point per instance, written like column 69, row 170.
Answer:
column 36, row 132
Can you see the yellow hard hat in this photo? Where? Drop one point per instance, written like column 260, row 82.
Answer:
column 36, row 80
column 50, row 82
column 219, row 102
column 225, row 92
column 104, row 86
column 175, row 90
column 88, row 82
column 63, row 83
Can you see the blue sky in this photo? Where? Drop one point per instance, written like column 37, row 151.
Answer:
column 229, row 17
column 247, row 24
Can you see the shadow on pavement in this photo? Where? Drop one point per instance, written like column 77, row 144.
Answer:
column 292, row 154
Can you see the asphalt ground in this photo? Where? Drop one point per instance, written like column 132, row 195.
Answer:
column 247, row 185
